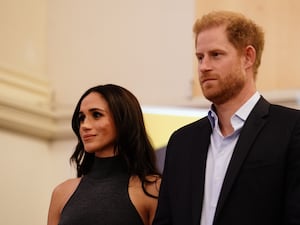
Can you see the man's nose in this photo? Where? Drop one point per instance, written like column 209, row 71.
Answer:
column 204, row 65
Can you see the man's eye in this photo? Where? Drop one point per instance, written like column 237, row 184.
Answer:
column 216, row 54
column 199, row 58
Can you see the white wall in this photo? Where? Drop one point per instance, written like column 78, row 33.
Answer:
column 25, row 178
column 146, row 46
column 30, row 168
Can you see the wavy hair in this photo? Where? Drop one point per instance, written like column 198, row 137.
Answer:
column 132, row 142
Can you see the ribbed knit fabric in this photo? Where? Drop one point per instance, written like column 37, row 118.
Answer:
column 102, row 197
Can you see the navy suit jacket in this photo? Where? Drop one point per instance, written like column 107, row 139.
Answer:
column 262, row 182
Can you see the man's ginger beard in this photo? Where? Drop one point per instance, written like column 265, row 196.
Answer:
column 227, row 87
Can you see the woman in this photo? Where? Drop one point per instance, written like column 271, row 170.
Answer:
column 117, row 179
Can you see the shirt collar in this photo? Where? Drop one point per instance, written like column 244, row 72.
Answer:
column 242, row 113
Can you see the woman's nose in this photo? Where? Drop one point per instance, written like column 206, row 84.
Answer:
column 85, row 124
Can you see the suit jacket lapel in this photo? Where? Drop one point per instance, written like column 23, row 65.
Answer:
column 198, row 164
column 252, row 126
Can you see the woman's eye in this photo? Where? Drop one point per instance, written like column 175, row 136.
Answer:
column 97, row 114
column 81, row 118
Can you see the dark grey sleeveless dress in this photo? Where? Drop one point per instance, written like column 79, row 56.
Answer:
column 101, row 197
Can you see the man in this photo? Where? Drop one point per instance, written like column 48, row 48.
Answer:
column 240, row 165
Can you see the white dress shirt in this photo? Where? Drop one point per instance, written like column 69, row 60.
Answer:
column 219, row 155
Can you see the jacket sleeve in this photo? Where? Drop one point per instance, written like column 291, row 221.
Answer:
column 163, row 212
column 292, row 200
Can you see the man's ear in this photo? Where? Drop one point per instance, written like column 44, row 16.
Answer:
column 250, row 56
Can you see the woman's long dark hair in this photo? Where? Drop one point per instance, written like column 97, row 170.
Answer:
column 132, row 142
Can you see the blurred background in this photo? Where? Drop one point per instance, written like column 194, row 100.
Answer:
column 51, row 51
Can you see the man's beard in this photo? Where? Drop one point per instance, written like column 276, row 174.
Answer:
column 227, row 88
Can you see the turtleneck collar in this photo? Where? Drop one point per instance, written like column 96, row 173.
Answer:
column 107, row 167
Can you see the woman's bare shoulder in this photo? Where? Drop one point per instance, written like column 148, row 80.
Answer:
column 153, row 184
column 143, row 195
column 60, row 195
column 64, row 190
column 66, row 186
